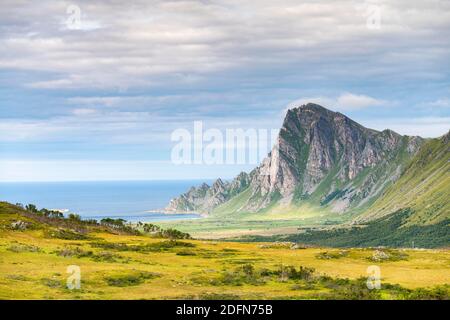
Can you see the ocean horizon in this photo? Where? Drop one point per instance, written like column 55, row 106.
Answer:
column 130, row 200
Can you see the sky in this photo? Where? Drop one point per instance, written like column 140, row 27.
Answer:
column 93, row 90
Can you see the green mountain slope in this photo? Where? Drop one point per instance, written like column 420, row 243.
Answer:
column 424, row 187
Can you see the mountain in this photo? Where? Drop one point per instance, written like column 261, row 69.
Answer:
column 414, row 211
column 321, row 158
column 205, row 198
column 423, row 188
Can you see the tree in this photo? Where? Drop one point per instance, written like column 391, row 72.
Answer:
column 74, row 217
column 32, row 208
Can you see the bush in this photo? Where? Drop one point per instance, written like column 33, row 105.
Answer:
column 174, row 234
column 31, row 208
column 437, row 293
column 245, row 274
column 186, row 253
column 113, row 223
column 289, row 272
column 23, row 248
column 131, row 279
column 74, row 217
column 76, row 252
column 149, row 227
column 150, row 247
column 326, row 255
column 248, row 269
column 51, row 283
column 66, row 235
column 73, row 252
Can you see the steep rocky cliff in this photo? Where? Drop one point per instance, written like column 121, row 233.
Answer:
column 320, row 157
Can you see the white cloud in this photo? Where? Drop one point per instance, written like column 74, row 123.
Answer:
column 350, row 101
column 135, row 71
column 344, row 102
column 439, row 103
column 83, row 111
column 153, row 43
column 427, row 127
column 100, row 170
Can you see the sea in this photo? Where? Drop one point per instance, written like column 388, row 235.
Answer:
column 130, row 200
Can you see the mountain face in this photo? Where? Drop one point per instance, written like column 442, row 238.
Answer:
column 321, row 158
column 205, row 198
column 423, row 188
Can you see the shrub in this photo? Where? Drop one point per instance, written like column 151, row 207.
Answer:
column 186, row 253
column 52, row 283
column 245, row 274
column 174, row 234
column 131, row 279
column 74, row 217
column 66, row 234
column 149, row 227
column 106, row 257
column 217, row 296
column 23, row 248
column 326, row 255
column 80, row 253
column 150, row 247
column 248, row 269
column 437, row 293
column 113, row 223
column 31, row 208
column 73, row 252
column 289, row 272
column 17, row 277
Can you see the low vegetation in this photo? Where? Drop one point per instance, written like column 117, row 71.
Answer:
column 327, row 255
column 386, row 231
column 130, row 279
column 73, row 227
column 119, row 265
column 388, row 255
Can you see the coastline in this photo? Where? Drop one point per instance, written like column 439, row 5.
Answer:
column 171, row 212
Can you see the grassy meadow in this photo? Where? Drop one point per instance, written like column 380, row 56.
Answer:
column 116, row 264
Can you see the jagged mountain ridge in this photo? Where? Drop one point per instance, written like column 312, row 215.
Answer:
column 320, row 157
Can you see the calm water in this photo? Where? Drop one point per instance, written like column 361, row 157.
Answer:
column 128, row 200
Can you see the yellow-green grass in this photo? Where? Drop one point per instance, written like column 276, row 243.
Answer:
column 280, row 219
column 42, row 274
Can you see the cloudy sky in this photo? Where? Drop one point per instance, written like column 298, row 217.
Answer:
column 92, row 90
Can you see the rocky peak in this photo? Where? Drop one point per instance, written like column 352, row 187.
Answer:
column 316, row 145
column 217, row 187
column 239, row 183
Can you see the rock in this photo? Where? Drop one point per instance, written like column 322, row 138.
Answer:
column 379, row 255
column 19, row 225
column 205, row 198
column 318, row 152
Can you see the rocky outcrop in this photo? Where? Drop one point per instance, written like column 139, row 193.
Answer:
column 205, row 198
column 319, row 156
